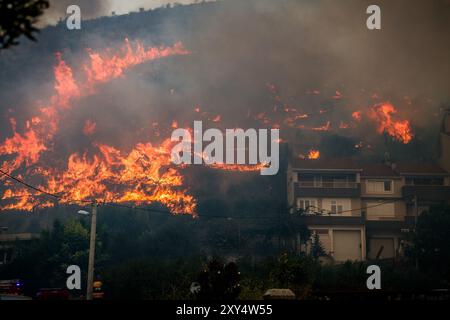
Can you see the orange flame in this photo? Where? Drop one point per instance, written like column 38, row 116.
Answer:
column 104, row 67
column 313, row 154
column 89, row 127
column 357, row 115
column 141, row 176
column 401, row 130
column 238, row 167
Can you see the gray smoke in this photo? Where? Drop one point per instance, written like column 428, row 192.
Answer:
column 89, row 9
column 238, row 47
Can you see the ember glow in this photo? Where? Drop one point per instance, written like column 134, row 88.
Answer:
column 89, row 127
column 142, row 175
column 399, row 129
column 313, row 154
column 357, row 115
column 239, row 167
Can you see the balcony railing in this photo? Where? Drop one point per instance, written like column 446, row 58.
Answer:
column 326, row 184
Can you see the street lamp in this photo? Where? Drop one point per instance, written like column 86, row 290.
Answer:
column 90, row 280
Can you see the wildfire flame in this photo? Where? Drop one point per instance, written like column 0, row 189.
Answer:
column 89, row 127
column 357, row 115
column 383, row 114
column 142, row 175
column 239, row 167
column 313, row 154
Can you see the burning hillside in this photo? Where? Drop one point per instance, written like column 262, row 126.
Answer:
column 142, row 175
column 103, row 132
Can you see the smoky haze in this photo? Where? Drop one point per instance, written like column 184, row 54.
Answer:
column 89, row 8
column 238, row 49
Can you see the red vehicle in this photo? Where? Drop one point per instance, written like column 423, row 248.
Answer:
column 52, row 294
column 11, row 287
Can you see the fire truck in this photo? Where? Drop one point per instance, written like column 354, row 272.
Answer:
column 11, row 287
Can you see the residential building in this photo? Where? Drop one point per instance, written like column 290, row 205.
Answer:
column 330, row 193
column 382, row 200
column 8, row 241
column 364, row 211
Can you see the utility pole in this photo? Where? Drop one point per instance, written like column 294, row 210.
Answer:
column 416, row 211
column 416, row 215
column 90, row 280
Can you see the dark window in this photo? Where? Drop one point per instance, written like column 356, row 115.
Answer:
column 435, row 181
column 387, row 185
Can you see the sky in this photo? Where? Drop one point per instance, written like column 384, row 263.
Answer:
column 95, row 8
column 121, row 6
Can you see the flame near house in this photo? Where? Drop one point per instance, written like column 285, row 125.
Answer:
column 144, row 173
column 313, row 154
column 399, row 129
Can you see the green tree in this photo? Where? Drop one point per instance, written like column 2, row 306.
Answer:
column 17, row 18
column 43, row 263
column 431, row 241
column 317, row 249
column 295, row 272
column 219, row 281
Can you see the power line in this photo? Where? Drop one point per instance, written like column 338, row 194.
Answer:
column 113, row 204
column 231, row 217
column 29, row 185
column 329, row 212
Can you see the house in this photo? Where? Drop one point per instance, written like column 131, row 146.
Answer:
column 364, row 211
column 382, row 200
column 330, row 193
column 7, row 243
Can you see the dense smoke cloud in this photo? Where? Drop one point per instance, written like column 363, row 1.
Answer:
column 89, row 9
column 250, row 63
column 239, row 47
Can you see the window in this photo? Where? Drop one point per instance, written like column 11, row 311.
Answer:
column 334, row 181
column 435, row 181
column 379, row 186
column 377, row 210
column 336, row 207
column 306, row 204
column 306, row 180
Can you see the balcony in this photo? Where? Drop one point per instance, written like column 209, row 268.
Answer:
column 338, row 189
column 326, row 184
column 432, row 193
column 333, row 219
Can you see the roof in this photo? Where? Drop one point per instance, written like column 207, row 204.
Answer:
column 8, row 237
column 378, row 170
column 426, row 168
column 326, row 164
column 369, row 170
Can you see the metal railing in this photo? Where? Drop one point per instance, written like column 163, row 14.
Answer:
column 331, row 184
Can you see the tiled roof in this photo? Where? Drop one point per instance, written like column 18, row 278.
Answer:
column 371, row 169
column 324, row 164
column 378, row 170
column 420, row 168
column 17, row 236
